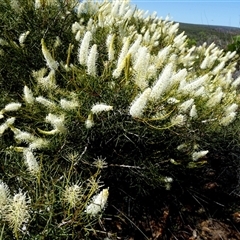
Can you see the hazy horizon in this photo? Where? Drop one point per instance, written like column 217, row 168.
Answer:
column 217, row 13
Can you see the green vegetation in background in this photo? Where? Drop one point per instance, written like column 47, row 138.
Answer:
column 220, row 35
column 235, row 45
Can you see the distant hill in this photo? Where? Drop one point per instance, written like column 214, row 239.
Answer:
column 221, row 35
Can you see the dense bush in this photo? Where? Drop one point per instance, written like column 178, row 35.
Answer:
column 96, row 89
column 235, row 44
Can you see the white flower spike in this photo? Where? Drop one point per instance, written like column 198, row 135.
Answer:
column 31, row 162
column 17, row 211
column 12, row 107
column 138, row 105
column 51, row 63
column 200, row 154
column 98, row 203
column 101, row 107
column 28, row 95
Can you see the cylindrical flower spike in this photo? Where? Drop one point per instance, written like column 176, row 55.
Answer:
column 122, row 58
column 23, row 136
column 91, row 61
column 197, row 155
column 6, row 125
column 215, row 98
column 89, row 122
column 140, row 67
column 226, row 120
column 191, row 87
column 68, row 105
column 57, row 121
column 186, row 105
column 17, row 211
column 48, row 82
column 84, row 48
column 12, row 107
column 162, row 83
column 51, row 63
column 45, row 102
column 218, row 68
column 28, row 95
column 22, row 38
column 231, row 108
column 110, row 47
column 4, row 196
column 38, row 143
column 193, row 112
column 31, row 162
column 72, row 195
column 98, row 203
column 135, row 46
column 101, row 107
column 138, row 105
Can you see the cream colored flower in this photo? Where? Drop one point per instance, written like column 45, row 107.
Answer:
column 110, row 46
column 122, row 58
column 9, row 122
column 28, row 95
column 178, row 120
column 200, row 154
column 91, row 61
column 84, row 48
column 98, row 203
column 226, row 120
column 17, row 211
column 101, row 107
column 48, row 82
column 4, row 195
column 22, row 38
column 57, row 122
column 193, row 112
column 45, row 102
column 23, row 136
column 12, row 107
column 68, row 105
column 163, row 83
column 72, row 195
column 100, row 163
column 31, row 162
column 38, row 143
column 138, row 105
column 183, row 107
column 51, row 63
column 89, row 122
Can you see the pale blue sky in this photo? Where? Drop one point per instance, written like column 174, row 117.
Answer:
column 208, row 12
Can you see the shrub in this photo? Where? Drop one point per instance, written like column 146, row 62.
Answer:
column 235, row 44
column 92, row 87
